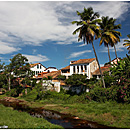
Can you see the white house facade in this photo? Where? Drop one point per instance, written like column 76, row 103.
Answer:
column 37, row 68
column 82, row 66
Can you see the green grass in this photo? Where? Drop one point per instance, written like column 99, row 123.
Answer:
column 108, row 113
column 22, row 120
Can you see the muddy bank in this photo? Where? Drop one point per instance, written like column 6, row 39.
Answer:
column 65, row 120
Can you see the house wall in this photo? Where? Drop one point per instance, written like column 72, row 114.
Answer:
column 93, row 67
column 79, row 69
column 38, row 69
column 66, row 74
column 51, row 85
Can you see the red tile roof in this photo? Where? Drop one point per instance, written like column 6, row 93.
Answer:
column 53, row 74
column 103, row 69
column 66, row 68
column 82, row 61
column 32, row 65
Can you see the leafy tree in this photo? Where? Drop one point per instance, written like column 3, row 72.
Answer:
column 76, row 80
column 127, row 43
column 108, row 32
column 88, row 30
column 19, row 65
column 2, row 76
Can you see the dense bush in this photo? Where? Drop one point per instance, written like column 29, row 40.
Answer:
column 15, row 91
column 117, row 93
column 55, row 95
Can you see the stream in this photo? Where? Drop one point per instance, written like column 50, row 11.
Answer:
column 67, row 121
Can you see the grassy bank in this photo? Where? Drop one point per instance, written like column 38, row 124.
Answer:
column 108, row 113
column 21, row 120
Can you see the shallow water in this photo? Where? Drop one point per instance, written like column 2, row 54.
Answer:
column 65, row 120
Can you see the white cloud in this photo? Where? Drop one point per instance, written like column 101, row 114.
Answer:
column 77, row 54
column 35, row 22
column 81, row 45
column 32, row 23
column 6, row 48
column 36, row 58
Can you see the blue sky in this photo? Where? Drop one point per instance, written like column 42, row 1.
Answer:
column 42, row 31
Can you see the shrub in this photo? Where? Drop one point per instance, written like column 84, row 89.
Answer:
column 97, row 94
column 31, row 96
column 55, row 95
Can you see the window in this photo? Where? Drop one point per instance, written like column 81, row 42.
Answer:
column 81, row 68
column 77, row 69
column 85, row 67
column 74, row 69
column 40, row 66
column 37, row 66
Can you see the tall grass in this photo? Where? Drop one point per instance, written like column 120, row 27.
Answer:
column 22, row 120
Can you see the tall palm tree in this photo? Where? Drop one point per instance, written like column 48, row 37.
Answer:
column 115, row 35
column 127, row 43
column 88, row 30
column 108, row 34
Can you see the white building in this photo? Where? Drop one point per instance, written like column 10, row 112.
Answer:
column 37, row 68
column 51, row 69
column 82, row 66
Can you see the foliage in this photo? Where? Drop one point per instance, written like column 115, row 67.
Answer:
column 31, row 95
column 127, row 43
column 76, row 80
column 49, row 78
column 109, row 35
column 55, row 95
column 97, row 94
column 15, row 91
column 91, row 83
column 121, row 70
column 61, row 77
column 19, row 65
column 116, row 93
column 109, row 79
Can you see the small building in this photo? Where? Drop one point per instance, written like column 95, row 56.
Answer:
column 114, row 61
column 82, row 66
column 37, row 68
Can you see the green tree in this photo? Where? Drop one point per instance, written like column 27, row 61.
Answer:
column 127, row 43
column 88, row 30
column 76, row 80
column 109, row 36
column 3, row 81
column 19, row 67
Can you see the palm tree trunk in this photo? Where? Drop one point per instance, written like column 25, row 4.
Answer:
column 98, row 65
column 115, row 52
column 109, row 54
